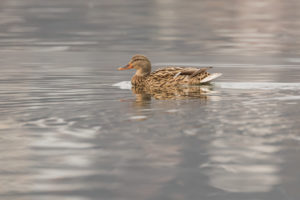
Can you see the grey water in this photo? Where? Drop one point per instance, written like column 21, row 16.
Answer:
column 71, row 128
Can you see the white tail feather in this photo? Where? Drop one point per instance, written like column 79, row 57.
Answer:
column 211, row 77
column 177, row 74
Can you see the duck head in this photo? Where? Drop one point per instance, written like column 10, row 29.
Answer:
column 140, row 63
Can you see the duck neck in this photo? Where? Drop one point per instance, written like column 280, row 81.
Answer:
column 142, row 72
column 138, row 80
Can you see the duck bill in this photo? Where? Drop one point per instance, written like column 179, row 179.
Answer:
column 129, row 66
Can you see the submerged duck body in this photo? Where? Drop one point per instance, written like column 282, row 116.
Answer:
column 166, row 77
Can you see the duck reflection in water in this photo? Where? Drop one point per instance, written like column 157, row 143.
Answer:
column 175, row 93
column 145, row 95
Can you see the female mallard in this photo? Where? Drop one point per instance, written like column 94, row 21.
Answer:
column 168, row 76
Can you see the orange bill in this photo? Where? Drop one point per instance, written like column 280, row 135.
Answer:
column 129, row 66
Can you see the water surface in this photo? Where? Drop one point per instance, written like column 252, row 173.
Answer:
column 72, row 128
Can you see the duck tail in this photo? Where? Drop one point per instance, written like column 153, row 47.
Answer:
column 211, row 77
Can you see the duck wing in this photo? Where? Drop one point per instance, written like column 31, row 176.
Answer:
column 183, row 71
column 169, row 76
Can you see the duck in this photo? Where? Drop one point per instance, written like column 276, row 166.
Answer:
column 171, row 76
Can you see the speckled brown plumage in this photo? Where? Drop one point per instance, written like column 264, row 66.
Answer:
column 174, row 76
